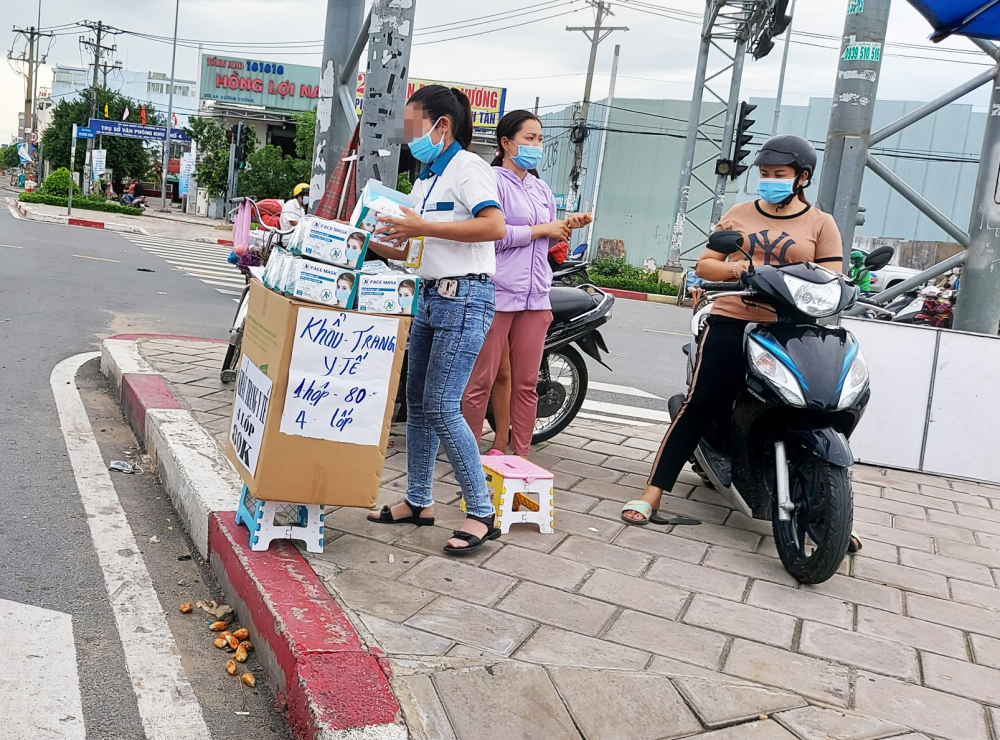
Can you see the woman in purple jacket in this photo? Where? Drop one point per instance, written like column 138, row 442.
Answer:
column 522, row 279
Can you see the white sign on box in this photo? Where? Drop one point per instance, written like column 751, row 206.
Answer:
column 253, row 396
column 338, row 377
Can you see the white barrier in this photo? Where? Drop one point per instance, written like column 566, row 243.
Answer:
column 935, row 404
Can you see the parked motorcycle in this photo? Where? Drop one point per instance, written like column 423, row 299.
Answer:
column 577, row 313
column 783, row 453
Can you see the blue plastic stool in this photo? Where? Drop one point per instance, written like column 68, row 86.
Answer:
column 304, row 522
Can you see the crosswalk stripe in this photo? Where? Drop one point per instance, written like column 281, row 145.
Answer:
column 630, row 411
column 625, row 390
column 614, row 420
column 206, row 262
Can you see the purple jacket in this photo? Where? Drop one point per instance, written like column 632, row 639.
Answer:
column 523, row 277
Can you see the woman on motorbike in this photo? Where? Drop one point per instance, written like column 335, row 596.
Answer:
column 523, row 280
column 779, row 228
column 451, row 235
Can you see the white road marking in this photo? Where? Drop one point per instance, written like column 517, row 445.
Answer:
column 39, row 685
column 614, row 420
column 11, row 246
column 625, row 390
column 207, row 262
column 671, row 333
column 622, row 410
column 99, row 259
column 167, row 704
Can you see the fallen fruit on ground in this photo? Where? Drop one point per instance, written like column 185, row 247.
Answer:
column 217, row 626
column 241, row 634
column 248, row 679
column 231, row 667
column 187, row 608
column 241, row 655
column 246, row 645
column 232, row 641
column 219, row 643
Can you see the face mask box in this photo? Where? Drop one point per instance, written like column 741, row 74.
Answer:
column 333, row 242
column 375, row 200
column 388, row 292
column 327, row 284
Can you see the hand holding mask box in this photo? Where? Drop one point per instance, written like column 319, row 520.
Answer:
column 375, row 200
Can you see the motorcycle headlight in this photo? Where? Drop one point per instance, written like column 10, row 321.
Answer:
column 855, row 381
column 814, row 299
column 774, row 371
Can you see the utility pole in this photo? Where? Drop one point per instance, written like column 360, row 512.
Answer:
column 604, row 144
column 100, row 30
column 595, row 34
column 854, row 94
column 170, row 116
column 335, row 116
column 781, row 77
column 537, row 100
column 389, row 41
column 33, row 59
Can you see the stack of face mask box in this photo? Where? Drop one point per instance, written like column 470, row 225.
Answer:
column 308, row 280
column 383, row 289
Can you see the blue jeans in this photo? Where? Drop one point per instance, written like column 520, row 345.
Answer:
column 445, row 339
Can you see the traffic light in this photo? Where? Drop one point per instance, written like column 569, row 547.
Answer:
column 859, row 220
column 742, row 137
column 775, row 24
column 241, row 138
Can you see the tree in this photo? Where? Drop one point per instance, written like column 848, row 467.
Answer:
column 305, row 133
column 126, row 157
column 9, row 158
column 58, row 184
column 270, row 175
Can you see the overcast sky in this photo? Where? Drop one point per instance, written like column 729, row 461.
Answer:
column 536, row 59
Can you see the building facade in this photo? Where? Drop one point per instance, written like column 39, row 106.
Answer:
column 644, row 141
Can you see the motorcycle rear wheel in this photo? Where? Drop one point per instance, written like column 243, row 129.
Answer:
column 230, row 365
column 813, row 544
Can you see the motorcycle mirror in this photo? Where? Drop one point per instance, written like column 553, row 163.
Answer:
column 726, row 242
column 879, row 258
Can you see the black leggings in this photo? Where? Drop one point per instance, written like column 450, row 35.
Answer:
column 719, row 373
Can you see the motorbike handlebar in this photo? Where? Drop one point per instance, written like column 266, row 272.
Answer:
column 729, row 287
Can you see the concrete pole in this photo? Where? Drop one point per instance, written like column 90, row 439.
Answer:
column 170, row 115
column 389, row 39
column 343, row 24
column 88, row 168
column 72, row 168
column 595, row 41
column 851, row 116
column 784, row 67
column 28, row 98
column 34, row 90
column 604, row 144
column 978, row 308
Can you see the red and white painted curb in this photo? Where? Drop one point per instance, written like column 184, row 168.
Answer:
column 25, row 211
column 331, row 686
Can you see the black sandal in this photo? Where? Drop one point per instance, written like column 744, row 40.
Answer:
column 492, row 533
column 385, row 517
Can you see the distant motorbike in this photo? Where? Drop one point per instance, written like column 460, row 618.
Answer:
column 783, row 453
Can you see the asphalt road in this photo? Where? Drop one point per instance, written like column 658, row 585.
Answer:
column 62, row 290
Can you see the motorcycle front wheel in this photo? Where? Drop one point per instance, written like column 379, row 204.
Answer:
column 813, row 544
column 562, row 389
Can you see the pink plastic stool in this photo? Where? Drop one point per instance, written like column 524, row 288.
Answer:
column 512, row 480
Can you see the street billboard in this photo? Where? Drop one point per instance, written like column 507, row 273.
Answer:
column 294, row 87
column 126, row 130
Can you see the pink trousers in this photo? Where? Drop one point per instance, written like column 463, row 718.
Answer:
column 525, row 333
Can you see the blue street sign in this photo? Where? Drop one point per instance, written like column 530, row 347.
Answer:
column 126, row 130
column 85, row 133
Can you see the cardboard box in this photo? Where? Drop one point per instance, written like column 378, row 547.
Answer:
column 376, row 199
column 332, row 242
column 389, row 292
column 314, row 399
column 320, row 283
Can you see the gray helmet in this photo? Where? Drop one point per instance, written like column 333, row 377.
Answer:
column 788, row 149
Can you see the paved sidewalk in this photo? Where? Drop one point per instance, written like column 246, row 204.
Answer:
column 692, row 631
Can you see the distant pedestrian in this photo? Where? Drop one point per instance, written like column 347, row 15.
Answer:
column 294, row 209
column 523, row 281
column 450, row 237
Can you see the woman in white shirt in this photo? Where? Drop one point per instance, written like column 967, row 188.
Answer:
column 451, row 235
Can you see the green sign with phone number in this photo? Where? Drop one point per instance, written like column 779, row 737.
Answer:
column 863, row 52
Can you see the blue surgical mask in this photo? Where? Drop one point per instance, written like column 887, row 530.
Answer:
column 305, row 200
column 423, row 149
column 343, row 294
column 774, row 190
column 353, row 254
column 405, row 301
column 528, row 157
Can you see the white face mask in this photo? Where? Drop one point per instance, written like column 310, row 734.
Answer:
column 305, row 200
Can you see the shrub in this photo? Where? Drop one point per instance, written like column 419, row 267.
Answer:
column 83, row 202
column 57, row 183
column 615, row 272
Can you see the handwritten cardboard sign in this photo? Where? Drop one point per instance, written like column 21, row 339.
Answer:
column 338, row 378
column 253, row 396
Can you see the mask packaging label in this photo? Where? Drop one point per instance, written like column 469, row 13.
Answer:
column 333, row 242
column 389, row 292
column 415, row 252
column 319, row 283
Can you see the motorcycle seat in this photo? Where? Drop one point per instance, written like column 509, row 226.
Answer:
column 568, row 303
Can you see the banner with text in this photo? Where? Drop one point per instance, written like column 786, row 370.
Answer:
column 487, row 102
column 338, row 377
column 126, row 130
column 253, row 397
